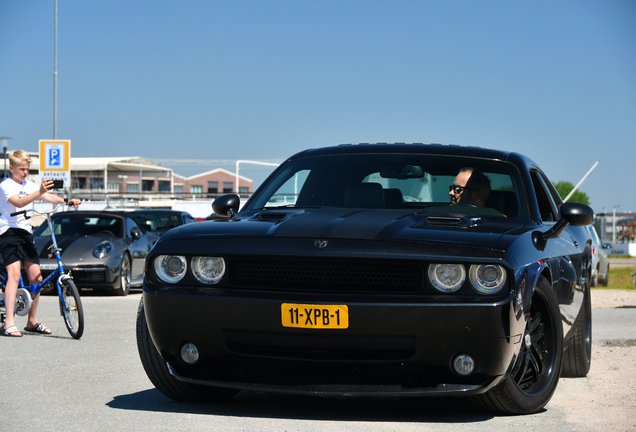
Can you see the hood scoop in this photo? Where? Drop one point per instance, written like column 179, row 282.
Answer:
column 463, row 222
column 271, row 216
column 443, row 221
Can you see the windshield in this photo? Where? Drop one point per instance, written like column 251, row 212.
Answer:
column 81, row 225
column 391, row 181
column 156, row 222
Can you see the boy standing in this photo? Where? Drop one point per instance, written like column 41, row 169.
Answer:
column 16, row 237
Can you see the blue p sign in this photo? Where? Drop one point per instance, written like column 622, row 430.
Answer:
column 55, row 157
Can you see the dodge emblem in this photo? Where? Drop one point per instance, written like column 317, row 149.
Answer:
column 321, row 244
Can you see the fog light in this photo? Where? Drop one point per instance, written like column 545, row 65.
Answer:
column 189, row 353
column 464, row 364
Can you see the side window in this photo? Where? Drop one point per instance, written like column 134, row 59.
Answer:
column 544, row 199
column 288, row 192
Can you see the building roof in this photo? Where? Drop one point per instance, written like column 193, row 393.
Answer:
column 233, row 174
column 126, row 163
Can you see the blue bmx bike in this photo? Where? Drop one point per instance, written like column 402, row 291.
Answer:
column 70, row 302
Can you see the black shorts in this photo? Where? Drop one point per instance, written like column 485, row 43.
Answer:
column 16, row 244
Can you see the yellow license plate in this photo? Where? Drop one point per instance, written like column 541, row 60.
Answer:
column 315, row 316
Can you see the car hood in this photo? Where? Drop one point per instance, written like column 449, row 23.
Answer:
column 356, row 224
column 72, row 246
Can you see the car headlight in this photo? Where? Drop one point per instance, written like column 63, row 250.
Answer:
column 103, row 249
column 487, row 278
column 447, row 278
column 208, row 270
column 170, row 268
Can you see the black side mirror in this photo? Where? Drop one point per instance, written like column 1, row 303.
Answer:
column 226, row 205
column 569, row 214
column 577, row 214
column 135, row 233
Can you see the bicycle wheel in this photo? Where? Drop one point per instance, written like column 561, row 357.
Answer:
column 71, row 308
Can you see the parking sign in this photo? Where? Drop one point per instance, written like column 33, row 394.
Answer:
column 55, row 158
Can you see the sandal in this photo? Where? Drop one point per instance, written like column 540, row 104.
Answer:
column 39, row 329
column 11, row 331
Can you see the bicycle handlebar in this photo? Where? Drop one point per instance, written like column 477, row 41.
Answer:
column 42, row 213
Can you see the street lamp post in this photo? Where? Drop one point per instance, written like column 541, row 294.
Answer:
column 614, row 223
column 4, row 151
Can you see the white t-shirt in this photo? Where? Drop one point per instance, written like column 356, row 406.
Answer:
column 9, row 188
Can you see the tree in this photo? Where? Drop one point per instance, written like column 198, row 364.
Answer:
column 564, row 188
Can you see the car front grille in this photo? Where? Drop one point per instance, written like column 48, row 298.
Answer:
column 326, row 275
column 87, row 277
column 320, row 348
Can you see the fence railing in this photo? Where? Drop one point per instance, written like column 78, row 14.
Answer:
column 100, row 195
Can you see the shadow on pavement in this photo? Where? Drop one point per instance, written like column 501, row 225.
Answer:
column 247, row 404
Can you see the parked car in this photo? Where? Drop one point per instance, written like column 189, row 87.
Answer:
column 104, row 250
column 349, row 273
column 158, row 221
column 600, row 262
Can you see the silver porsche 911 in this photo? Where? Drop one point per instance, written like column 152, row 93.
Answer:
column 105, row 251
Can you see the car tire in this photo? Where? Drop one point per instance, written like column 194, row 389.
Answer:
column 577, row 355
column 533, row 378
column 124, row 276
column 595, row 277
column 157, row 371
column 605, row 280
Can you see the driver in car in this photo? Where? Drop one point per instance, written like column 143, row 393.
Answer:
column 470, row 187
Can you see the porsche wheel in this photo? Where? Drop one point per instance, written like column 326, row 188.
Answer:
column 533, row 379
column 157, row 371
column 124, row 276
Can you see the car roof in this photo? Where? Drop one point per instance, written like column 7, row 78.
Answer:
column 417, row 148
column 88, row 212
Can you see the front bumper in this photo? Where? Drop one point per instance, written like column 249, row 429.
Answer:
column 389, row 349
column 87, row 276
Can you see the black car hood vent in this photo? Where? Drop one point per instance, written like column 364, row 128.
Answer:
column 443, row 221
column 271, row 216
column 453, row 221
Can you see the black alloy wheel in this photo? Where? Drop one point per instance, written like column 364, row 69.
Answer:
column 534, row 377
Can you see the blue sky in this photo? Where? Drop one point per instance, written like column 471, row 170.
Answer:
column 261, row 80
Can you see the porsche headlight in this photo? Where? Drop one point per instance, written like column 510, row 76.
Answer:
column 103, row 249
column 208, row 270
column 487, row 278
column 170, row 268
column 447, row 278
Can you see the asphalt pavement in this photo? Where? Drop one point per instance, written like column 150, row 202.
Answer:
column 97, row 383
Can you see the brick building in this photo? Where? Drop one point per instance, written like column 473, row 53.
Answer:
column 132, row 177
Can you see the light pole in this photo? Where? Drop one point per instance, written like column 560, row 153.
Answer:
column 614, row 223
column 55, row 79
column 4, row 150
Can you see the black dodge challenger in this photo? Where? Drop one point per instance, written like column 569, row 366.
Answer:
column 376, row 270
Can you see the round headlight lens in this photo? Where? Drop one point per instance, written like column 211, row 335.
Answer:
column 103, row 249
column 447, row 278
column 170, row 268
column 208, row 270
column 487, row 278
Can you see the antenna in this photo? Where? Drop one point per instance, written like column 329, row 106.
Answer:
column 580, row 182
